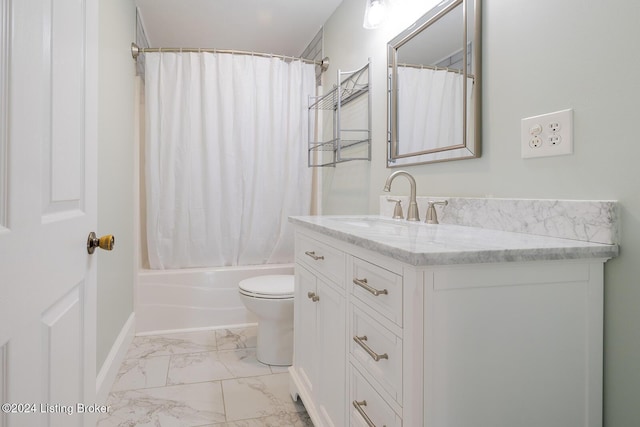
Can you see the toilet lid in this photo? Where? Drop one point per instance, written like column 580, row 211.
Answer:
column 271, row 286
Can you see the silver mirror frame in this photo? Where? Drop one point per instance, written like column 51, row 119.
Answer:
column 471, row 145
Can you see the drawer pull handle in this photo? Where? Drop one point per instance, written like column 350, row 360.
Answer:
column 375, row 356
column 313, row 296
column 358, row 406
column 313, row 255
column 363, row 284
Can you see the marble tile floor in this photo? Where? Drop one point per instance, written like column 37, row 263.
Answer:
column 201, row 379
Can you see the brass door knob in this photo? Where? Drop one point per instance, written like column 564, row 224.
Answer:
column 105, row 242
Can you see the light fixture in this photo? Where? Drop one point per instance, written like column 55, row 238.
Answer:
column 374, row 13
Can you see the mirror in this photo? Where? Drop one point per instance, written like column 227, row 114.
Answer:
column 434, row 86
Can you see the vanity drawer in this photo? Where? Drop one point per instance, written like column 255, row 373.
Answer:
column 378, row 350
column 365, row 403
column 379, row 288
column 321, row 258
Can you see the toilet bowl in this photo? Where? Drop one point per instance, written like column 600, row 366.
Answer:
column 270, row 298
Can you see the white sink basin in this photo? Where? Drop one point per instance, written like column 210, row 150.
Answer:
column 369, row 222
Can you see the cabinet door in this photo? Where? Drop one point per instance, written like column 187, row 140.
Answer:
column 332, row 349
column 305, row 328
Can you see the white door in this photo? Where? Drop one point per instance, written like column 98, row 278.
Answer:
column 48, row 113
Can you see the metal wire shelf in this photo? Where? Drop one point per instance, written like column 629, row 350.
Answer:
column 344, row 139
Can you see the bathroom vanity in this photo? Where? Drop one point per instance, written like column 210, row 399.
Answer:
column 413, row 324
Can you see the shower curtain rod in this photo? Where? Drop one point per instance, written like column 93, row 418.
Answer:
column 136, row 51
column 435, row 68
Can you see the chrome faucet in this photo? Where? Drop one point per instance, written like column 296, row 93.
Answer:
column 412, row 212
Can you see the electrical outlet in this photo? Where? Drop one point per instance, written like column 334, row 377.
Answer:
column 547, row 134
column 555, row 139
column 535, row 142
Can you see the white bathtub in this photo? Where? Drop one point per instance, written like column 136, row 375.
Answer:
column 196, row 298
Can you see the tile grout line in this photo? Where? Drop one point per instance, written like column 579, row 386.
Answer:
column 224, row 403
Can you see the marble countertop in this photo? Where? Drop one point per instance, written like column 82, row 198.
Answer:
column 445, row 244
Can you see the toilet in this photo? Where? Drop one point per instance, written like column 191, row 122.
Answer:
column 270, row 298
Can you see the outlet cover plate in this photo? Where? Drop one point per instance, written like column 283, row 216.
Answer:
column 547, row 134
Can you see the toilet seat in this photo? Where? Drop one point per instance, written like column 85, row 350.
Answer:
column 276, row 286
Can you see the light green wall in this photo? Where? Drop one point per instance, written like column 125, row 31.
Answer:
column 538, row 57
column 115, row 170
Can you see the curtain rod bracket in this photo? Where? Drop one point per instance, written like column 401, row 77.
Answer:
column 324, row 64
column 135, row 50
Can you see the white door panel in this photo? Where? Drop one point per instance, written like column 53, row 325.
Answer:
column 63, row 345
column 66, row 76
column 48, row 112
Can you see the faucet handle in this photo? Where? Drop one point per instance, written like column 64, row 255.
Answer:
column 397, row 210
column 432, row 215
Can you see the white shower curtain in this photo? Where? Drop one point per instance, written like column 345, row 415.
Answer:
column 437, row 97
column 225, row 158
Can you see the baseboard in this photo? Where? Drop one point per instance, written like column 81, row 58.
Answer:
column 107, row 375
column 183, row 330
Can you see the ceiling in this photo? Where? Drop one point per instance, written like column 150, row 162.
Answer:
column 283, row 27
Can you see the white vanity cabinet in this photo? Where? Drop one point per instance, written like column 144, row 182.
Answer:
column 486, row 344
